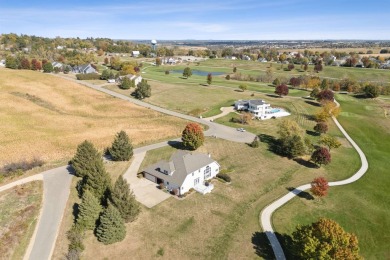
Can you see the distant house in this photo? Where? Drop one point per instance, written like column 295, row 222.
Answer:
column 56, row 64
column 170, row 61
column 262, row 60
column 260, row 109
column 184, row 171
column 2, row 63
column 111, row 80
column 59, row 47
column 135, row 54
column 246, row 57
column 231, row 57
column 84, row 69
column 137, row 79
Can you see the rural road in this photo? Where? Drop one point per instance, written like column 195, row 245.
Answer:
column 56, row 188
column 214, row 129
column 266, row 214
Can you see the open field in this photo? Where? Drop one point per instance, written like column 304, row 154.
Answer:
column 19, row 210
column 203, row 100
column 257, row 68
column 361, row 207
column 47, row 117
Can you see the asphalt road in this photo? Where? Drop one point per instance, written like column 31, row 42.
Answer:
column 56, row 189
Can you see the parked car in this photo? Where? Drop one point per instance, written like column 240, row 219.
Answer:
column 241, row 129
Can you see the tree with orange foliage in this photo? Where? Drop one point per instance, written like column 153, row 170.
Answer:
column 319, row 187
column 324, row 239
column 192, row 136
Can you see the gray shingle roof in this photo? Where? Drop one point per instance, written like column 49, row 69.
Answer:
column 256, row 102
column 179, row 166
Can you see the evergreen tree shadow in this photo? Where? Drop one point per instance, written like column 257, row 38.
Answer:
column 312, row 133
column 316, row 104
column 272, row 142
column 306, row 163
column 263, row 247
column 75, row 211
column 301, row 194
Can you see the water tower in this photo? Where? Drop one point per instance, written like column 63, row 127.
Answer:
column 154, row 45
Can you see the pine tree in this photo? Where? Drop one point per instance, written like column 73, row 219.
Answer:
column 98, row 181
column 124, row 200
column 84, row 160
column 121, row 149
column 112, row 227
column 89, row 211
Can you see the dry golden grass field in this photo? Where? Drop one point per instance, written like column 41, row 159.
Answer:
column 19, row 209
column 47, row 117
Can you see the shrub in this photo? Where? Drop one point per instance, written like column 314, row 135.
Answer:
column 255, row 143
column 20, row 167
column 161, row 186
column 224, row 177
column 90, row 76
column 372, row 91
column 227, row 77
column 175, row 192
column 167, row 72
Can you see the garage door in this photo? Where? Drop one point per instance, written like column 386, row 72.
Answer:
column 150, row 177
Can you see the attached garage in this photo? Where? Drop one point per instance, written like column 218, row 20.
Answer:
column 150, row 177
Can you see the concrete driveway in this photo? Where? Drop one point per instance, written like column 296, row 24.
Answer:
column 145, row 191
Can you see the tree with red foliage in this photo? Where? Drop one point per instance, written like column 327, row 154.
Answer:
column 290, row 66
column 36, row 64
column 321, row 156
column 192, row 136
column 319, row 187
column 44, row 61
column 318, row 67
column 209, row 78
column 281, row 90
column 25, row 64
column 321, row 127
column 325, row 95
column 295, row 82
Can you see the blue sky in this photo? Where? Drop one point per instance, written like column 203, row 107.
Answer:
column 217, row 20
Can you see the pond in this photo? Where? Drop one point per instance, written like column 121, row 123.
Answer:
column 200, row 72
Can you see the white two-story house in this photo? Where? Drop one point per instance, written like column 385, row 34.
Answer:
column 184, row 170
column 260, row 109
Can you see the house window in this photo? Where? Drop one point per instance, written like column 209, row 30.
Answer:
column 196, row 181
column 167, row 182
column 207, row 172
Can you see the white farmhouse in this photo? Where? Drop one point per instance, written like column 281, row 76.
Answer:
column 135, row 54
column 184, row 170
column 137, row 79
column 260, row 109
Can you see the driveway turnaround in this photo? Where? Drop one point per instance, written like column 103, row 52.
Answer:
column 266, row 214
column 225, row 111
column 145, row 191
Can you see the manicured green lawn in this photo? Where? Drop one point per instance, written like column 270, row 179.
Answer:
column 362, row 207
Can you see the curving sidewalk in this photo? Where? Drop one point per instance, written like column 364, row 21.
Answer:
column 266, row 214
